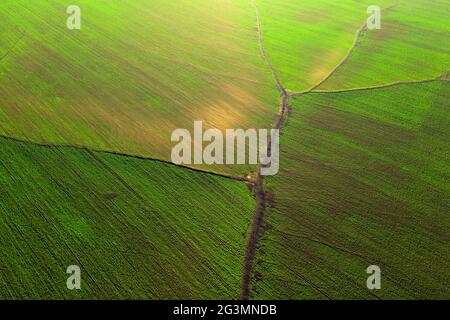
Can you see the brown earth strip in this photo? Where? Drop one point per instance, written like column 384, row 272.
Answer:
column 258, row 217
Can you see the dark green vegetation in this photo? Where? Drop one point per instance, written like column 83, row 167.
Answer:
column 363, row 180
column 137, row 228
column 364, row 174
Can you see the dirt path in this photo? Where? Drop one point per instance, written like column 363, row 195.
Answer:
column 258, row 216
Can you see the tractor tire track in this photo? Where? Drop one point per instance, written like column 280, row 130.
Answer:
column 13, row 47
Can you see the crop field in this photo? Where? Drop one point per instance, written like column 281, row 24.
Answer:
column 363, row 172
column 138, row 70
column 88, row 177
column 412, row 45
column 305, row 40
column 363, row 180
column 139, row 229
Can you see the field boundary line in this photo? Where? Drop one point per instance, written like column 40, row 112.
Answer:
column 359, row 32
column 263, row 50
column 125, row 155
column 354, row 45
column 384, row 86
column 259, row 213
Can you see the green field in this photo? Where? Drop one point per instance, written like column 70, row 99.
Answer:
column 136, row 71
column 137, row 228
column 412, row 45
column 363, row 180
column 305, row 40
column 363, row 175
column 86, row 118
